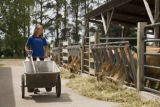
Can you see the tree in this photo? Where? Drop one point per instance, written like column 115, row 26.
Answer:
column 75, row 7
column 65, row 30
column 39, row 13
column 14, row 19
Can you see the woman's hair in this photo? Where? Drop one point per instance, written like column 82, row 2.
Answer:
column 35, row 30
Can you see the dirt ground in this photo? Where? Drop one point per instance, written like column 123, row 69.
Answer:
column 10, row 91
column 12, row 62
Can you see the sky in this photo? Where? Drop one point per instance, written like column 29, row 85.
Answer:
column 52, row 14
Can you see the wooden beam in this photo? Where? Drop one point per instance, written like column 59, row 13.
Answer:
column 106, row 7
column 109, row 18
column 149, row 11
column 96, row 21
column 140, row 57
column 104, row 23
column 107, row 22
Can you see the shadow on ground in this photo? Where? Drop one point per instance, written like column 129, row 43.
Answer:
column 6, row 88
column 49, row 97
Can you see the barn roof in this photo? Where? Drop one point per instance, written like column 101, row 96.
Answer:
column 125, row 11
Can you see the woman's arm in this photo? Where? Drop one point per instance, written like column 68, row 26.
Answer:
column 27, row 50
column 28, row 43
column 46, row 52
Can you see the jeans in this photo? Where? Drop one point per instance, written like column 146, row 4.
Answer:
column 41, row 59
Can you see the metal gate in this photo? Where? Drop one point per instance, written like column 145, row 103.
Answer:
column 151, row 79
column 100, row 55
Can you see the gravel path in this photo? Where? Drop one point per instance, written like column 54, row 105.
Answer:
column 10, row 91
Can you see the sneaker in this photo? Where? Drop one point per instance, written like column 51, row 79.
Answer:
column 36, row 91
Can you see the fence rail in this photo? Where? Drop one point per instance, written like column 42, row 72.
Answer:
column 154, row 40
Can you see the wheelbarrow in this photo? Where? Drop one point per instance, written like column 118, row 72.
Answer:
column 40, row 74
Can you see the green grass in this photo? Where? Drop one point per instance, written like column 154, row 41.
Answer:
column 108, row 91
column 1, row 65
column 11, row 57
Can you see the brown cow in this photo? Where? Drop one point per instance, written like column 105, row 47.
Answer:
column 116, row 73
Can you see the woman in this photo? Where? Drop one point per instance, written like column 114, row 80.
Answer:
column 37, row 43
column 39, row 48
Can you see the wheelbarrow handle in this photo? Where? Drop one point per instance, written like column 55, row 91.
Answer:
column 29, row 52
column 31, row 59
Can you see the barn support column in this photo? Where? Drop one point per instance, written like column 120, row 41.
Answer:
column 60, row 54
column 84, row 41
column 156, row 19
column 140, row 57
column 82, row 51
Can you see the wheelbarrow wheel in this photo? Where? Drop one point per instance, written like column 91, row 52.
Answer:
column 58, row 86
column 23, row 86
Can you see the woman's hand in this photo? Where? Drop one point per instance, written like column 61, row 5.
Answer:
column 46, row 52
column 28, row 53
column 45, row 56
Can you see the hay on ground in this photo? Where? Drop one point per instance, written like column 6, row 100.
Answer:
column 66, row 74
column 108, row 91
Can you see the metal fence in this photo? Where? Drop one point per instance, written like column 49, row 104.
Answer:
column 153, row 40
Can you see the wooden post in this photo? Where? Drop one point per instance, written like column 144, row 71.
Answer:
column 104, row 23
column 156, row 17
column 82, row 53
column 109, row 19
column 60, row 55
column 83, row 42
column 123, row 30
column 140, row 58
column 157, row 10
column 107, row 22
column 93, row 40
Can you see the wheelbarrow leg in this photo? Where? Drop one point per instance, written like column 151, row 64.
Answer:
column 48, row 89
column 23, row 85
column 58, row 86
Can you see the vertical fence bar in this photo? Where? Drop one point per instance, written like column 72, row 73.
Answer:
column 125, row 63
column 117, row 56
column 111, row 56
column 133, row 67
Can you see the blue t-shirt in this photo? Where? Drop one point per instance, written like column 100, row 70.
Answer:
column 37, row 44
